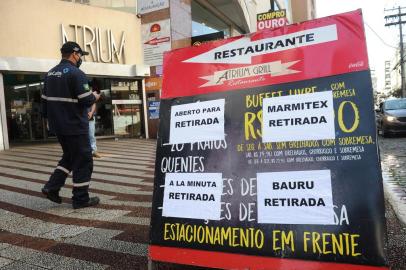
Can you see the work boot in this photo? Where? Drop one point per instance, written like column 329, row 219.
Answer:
column 52, row 195
column 92, row 202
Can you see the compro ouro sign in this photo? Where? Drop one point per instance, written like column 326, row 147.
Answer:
column 267, row 152
column 271, row 19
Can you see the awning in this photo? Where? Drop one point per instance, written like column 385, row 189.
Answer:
column 22, row 64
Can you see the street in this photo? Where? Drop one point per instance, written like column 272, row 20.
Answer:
column 393, row 161
column 38, row 234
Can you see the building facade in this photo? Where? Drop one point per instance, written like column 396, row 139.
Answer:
column 126, row 40
column 396, row 72
column 33, row 31
column 174, row 24
column 388, row 80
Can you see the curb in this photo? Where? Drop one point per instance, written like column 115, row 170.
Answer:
column 398, row 203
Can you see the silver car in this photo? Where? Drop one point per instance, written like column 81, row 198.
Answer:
column 391, row 117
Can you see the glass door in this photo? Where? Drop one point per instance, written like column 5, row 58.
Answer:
column 127, row 105
column 23, row 105
column 103, row 117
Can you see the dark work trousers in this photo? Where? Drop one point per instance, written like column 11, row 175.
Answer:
column 77, row 158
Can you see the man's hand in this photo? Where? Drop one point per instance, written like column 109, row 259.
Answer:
column 89, row 115
column 97, row 96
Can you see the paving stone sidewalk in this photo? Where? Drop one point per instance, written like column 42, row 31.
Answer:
column 37, row 234
column 393, row 161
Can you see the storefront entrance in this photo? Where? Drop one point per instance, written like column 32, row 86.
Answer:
column 127, row 108
column 119, row 112
column 23, row 107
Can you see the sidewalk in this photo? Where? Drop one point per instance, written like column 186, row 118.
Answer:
column 393, row 161
column 38, row 234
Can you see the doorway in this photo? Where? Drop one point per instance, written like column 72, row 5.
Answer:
column 23, row 108
column 119, row 112
column 127, row 107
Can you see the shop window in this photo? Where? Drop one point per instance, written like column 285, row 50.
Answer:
column 204, row 22
column 119, row 111
column 126, row 103
column 23, row 107
column 103, row 118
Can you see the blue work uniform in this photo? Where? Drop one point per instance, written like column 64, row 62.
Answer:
column 65, row 101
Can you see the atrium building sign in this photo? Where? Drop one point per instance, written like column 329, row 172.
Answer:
column 100, row 43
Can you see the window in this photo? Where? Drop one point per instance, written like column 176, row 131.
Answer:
column 204, row 22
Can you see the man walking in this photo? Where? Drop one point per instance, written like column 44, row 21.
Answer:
column 65, row 100
column 92, row 121
column 92, row 131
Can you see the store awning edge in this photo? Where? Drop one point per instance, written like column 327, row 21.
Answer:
column 23, row 64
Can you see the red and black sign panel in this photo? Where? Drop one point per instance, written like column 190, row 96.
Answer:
column 267, row 155
column 322, row 47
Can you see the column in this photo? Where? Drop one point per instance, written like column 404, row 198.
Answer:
column 3, row 119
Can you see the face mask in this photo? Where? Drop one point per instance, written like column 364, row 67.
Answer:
column 79, row 62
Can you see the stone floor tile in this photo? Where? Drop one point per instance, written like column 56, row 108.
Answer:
column 21, row 266
column 4, row 245
column 72, row 264
column 5, row 261
column 64, row 231
column 17, row 253
column 101, row 238
column 53, row 261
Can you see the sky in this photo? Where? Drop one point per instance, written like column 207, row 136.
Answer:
column 379, row 48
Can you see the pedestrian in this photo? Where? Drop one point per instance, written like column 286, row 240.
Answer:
column 92, row 122
column 66, row 100
column 92, row 131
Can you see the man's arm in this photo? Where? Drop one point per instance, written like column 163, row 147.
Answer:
column 92, row 111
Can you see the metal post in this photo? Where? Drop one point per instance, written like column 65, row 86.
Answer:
column 28, row 112
column 402, row 60
column 3, row 123
column 401, row 49
column 151, row 265
column 145, row 105
column 272, row 5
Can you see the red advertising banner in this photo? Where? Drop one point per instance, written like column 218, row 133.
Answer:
column 317, row 48
column 266, row 145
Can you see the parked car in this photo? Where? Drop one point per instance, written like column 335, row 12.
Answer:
column 391, row 117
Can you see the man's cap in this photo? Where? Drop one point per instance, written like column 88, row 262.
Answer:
column 71, row 47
